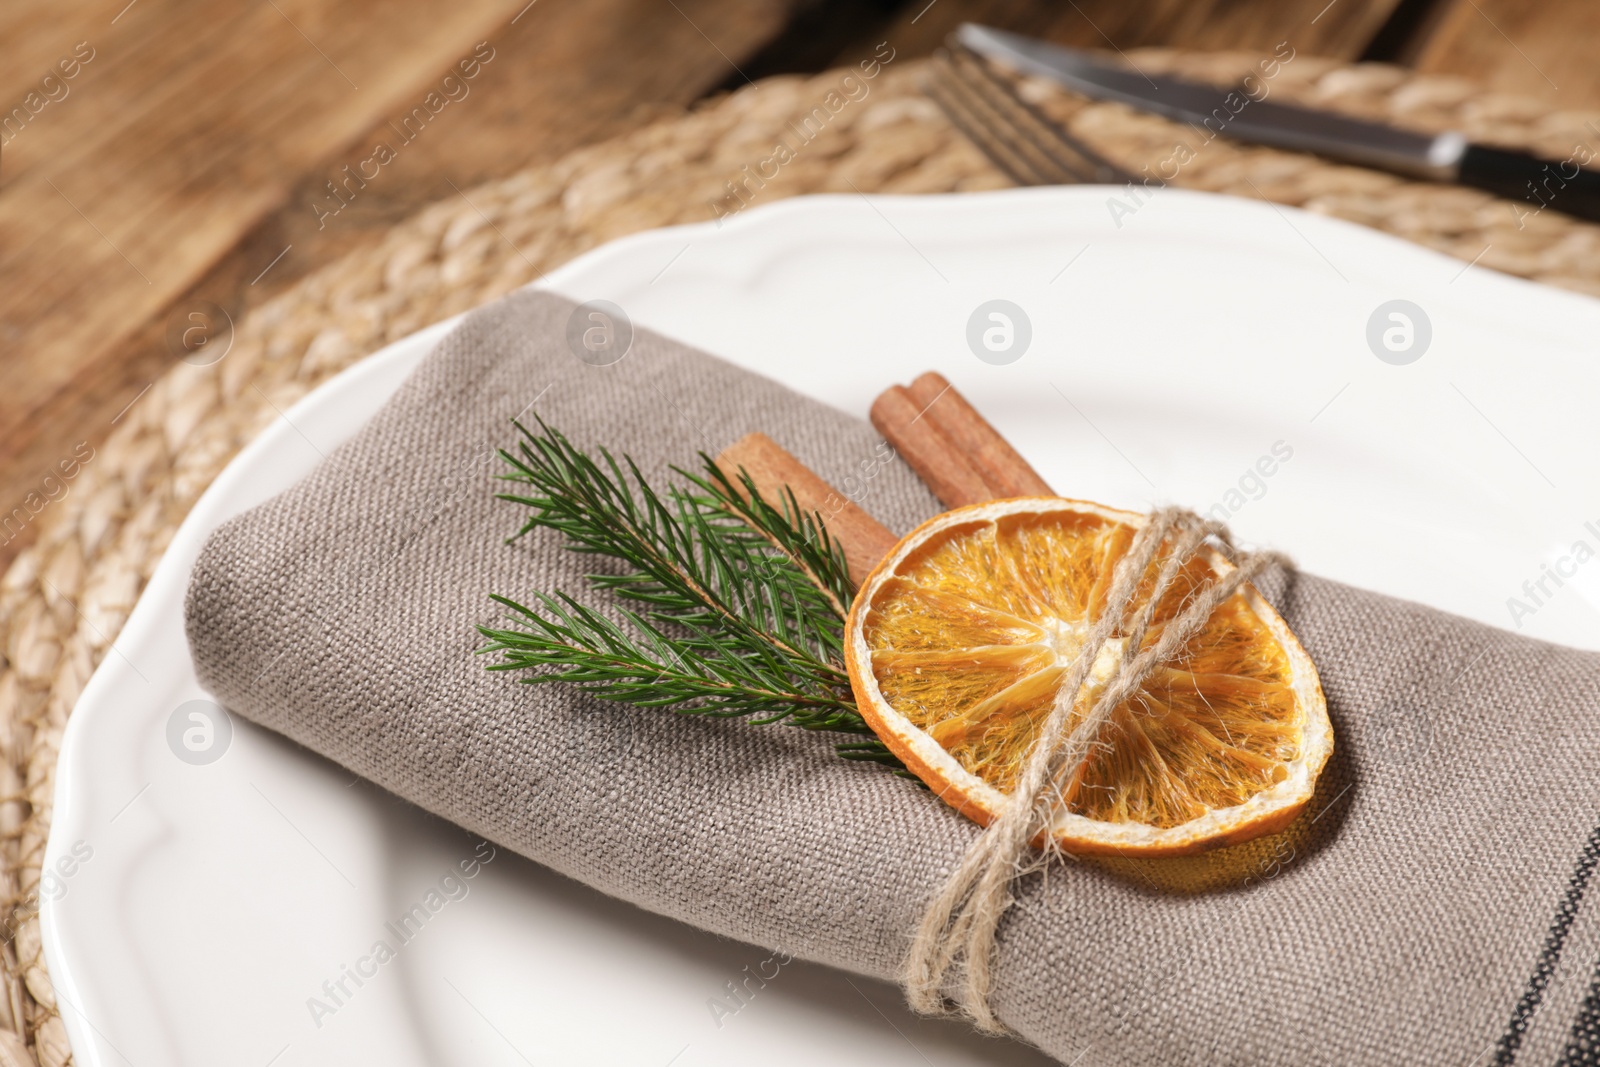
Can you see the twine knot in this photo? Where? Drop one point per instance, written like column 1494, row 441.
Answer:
column 955, row 941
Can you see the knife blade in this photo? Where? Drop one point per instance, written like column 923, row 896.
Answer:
column 1230, row 111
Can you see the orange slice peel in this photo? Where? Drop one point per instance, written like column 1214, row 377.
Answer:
column 958, row 643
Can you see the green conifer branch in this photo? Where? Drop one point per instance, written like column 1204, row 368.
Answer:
column 739, row 602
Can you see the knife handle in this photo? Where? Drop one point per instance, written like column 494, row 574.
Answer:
column 1540, row 183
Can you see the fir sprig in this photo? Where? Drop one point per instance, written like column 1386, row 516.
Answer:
column 737, row 602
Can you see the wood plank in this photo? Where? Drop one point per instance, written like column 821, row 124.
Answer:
column 202, row 116
column 185, row 172
column 1340, row 29
column 1543, row 50
column 37, row 35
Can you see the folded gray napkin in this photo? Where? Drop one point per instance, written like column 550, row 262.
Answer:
column 1428, row 908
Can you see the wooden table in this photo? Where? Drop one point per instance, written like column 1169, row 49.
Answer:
column 162, row 156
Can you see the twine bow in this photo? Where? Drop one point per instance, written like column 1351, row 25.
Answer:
column 955, row 942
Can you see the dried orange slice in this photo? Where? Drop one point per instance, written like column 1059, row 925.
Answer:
column 959, row 641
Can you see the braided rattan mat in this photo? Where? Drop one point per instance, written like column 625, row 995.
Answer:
column 65, row 599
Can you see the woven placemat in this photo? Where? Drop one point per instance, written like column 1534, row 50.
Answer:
column 64, row 600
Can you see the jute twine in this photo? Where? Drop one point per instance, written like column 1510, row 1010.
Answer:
column 64, row 600
column 957, row 933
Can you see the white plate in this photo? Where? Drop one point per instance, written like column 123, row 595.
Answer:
column 206, row 905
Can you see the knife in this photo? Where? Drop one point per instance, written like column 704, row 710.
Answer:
column 1446, row 157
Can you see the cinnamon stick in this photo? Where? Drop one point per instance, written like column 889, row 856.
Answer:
column 1003, row 469
column 955, row 451
column 938, row 461
column 865, row 541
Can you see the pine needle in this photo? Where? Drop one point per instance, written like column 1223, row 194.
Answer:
column 734, row 605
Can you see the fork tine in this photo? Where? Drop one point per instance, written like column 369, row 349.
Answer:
column 1031, row 131
column 955, row 99
column 1008, row 122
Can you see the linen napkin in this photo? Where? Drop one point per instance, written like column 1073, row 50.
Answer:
column 1428, row 907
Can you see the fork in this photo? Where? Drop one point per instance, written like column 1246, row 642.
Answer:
column 1017, row 137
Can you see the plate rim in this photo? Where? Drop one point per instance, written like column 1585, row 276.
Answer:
column 209, row 509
